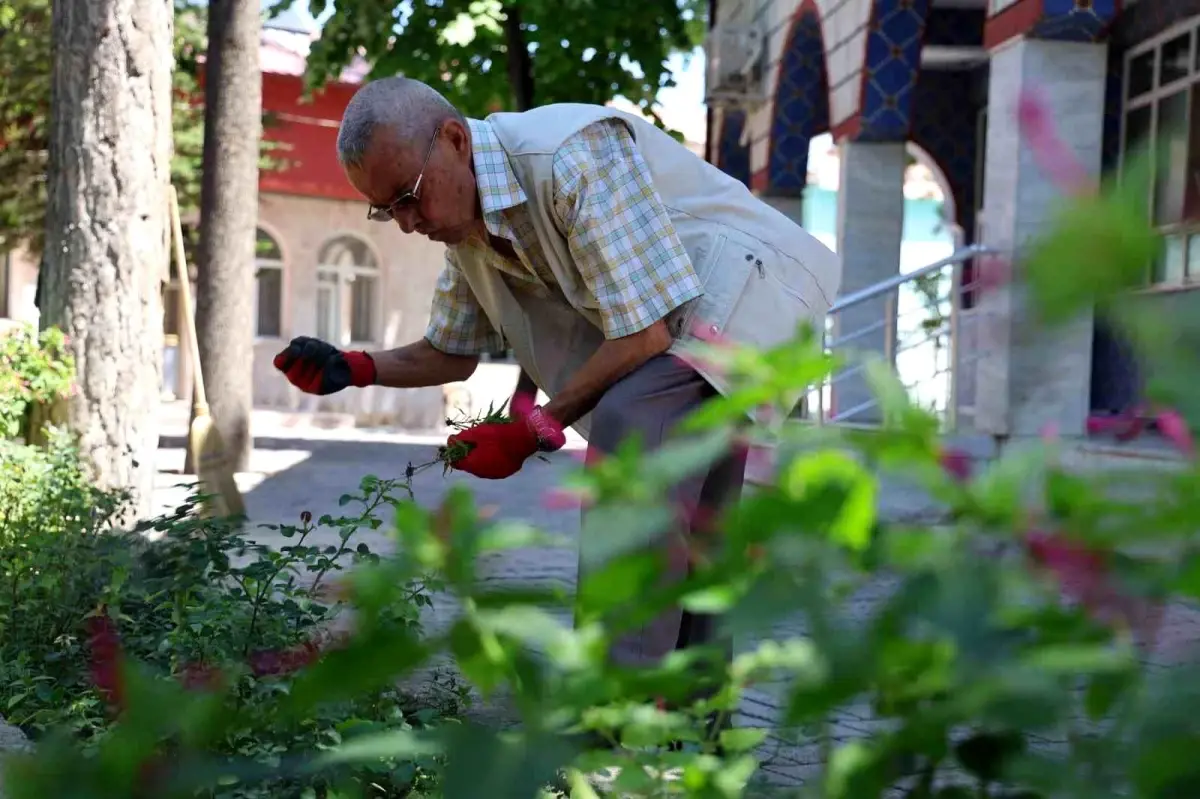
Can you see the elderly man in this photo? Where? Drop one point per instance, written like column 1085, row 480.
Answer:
column 591, row 243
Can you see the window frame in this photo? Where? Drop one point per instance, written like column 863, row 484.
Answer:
column 346, row 274
column 1188, row 232
column 276, row 264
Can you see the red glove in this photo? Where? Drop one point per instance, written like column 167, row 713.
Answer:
column 500, row 449
column 316, row 367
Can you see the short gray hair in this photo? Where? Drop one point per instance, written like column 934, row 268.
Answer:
column 410, row 109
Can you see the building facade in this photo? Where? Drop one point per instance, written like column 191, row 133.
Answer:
column 942, row 77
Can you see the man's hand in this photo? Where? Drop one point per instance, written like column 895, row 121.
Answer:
column 499, row 449
column 315, row 367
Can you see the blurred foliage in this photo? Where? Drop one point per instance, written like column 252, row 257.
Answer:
column 581, row 51
column 1001, row 651
column 25, row 50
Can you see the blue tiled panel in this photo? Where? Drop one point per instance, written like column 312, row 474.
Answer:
column 1074, row 20
column 732, row 157
column 893, row 60
column 801, row 107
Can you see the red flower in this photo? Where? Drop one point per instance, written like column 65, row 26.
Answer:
column 1084, row 576
column 106, row 659
column 200, row 677
column 956, row 463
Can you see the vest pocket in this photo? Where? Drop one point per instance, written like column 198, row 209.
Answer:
column 724, row 274
column 753, row 294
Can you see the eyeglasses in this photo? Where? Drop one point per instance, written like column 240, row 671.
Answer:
column 386, row 213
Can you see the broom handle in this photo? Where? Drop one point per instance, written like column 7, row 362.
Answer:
column 185, row 292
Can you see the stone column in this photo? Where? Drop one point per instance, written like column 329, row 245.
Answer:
column 791, row 207
column 870, row 227
column 1029, row 378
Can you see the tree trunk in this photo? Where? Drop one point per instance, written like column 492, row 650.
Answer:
column 106, row 225
column 520, row 65
column 225, row 283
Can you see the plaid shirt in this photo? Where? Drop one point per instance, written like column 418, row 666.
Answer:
column 621, row 240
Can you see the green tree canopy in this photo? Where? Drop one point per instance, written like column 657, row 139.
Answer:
column 493, row 55
column 25, row 112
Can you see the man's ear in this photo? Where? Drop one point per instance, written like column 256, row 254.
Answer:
column 455, row 134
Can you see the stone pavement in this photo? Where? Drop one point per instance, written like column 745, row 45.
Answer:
column 298, row 469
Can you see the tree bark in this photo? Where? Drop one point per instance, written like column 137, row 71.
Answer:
column 106, row 226
column 225, row 283
column 520, row 65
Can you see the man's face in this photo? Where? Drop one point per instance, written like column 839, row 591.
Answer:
column 427, row 187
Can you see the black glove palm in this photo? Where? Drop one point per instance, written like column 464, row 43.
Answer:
column 317, row 367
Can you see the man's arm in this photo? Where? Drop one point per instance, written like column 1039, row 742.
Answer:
column 458, row 332
column 421, row 364
column 613, row 360
column 627, row 252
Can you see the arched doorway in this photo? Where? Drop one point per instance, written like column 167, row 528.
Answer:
column 801, row 105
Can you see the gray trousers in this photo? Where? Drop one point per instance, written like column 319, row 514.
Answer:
column 650, row 402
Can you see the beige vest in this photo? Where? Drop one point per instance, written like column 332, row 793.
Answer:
column 762, row 273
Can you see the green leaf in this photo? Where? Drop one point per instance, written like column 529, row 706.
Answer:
column 611, row 531
column 482, row 762
column 1095, row 247
column 742, row 739
column 408, row 744
column 1071, row 659
column 856, row 519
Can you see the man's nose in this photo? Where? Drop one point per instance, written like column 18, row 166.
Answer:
column 406, row 218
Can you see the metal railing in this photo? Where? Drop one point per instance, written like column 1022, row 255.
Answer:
column 917, row 322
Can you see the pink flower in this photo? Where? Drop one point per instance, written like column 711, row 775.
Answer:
column 1125, row 426
column 956, row 463
column 1052, row 154
column 1084, row 576
column 564, row 499
column 1176, row 430
column 705, row 333
column 991, row 272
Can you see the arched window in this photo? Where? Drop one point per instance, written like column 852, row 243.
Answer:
column 347, row 293
column 268, row 298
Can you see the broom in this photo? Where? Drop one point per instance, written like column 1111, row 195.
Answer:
column 205, row 446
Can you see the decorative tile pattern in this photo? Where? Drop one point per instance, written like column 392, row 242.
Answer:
column 1074, row 20
column 1147, row 18
column 897, row 30
column 733, row 158
column 945, row 125
column 955, row 27
column 801, row 106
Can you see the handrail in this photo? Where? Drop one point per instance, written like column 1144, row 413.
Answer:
column 892, row 283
